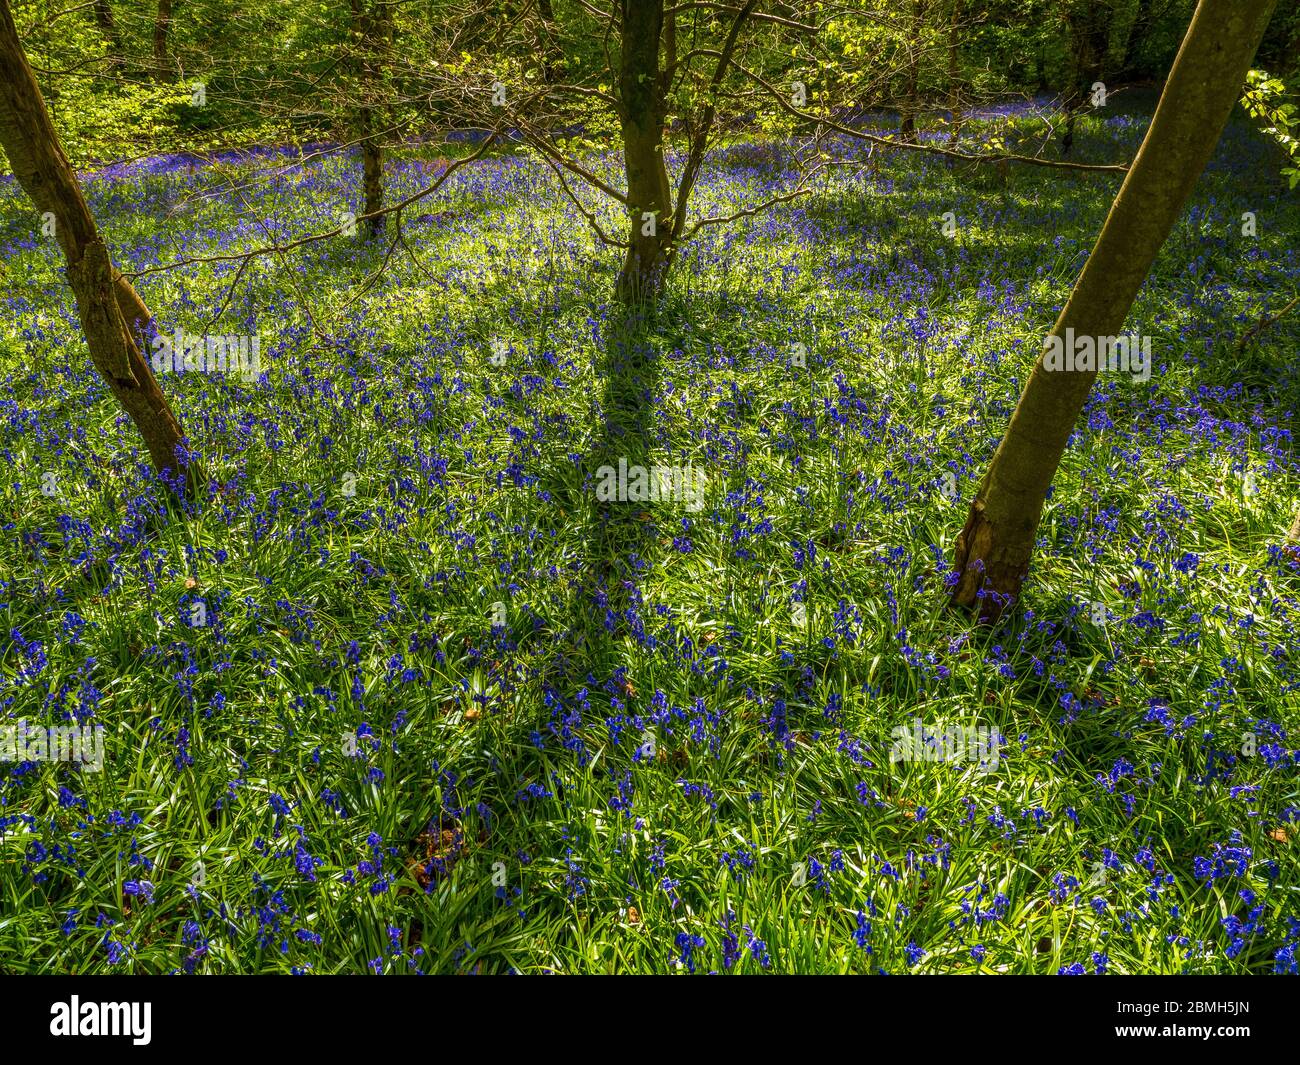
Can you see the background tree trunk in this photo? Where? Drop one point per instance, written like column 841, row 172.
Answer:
column 161, row 29
column 908, row 127
column 1089, row 25
column 1137, row 35
column 104, row 19
column 1291, row 57
column 107, row 304
column 994, row 548
column 954, row 73
column 548, row 49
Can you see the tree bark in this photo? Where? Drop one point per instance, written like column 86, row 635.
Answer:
column 994, row 548
column 908, row 127
column 550, row 52
column 1137, row 35
column 107, row 304
column 1291, row 57
column 1090, row 40
column 370, row 28
column 104, row 19
column 161, row 30
column 642, row 109
column 954, row 74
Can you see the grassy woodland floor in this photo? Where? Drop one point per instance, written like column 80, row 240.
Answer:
column 320, row 770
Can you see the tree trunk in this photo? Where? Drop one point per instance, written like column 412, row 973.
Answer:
column 954, row 74
column 373, row 174
column 370, row 32
column 104, row 19
column 908, row 127
column 1291, row 57
column 1090, row 41
column 552, row 55
column 161, row 29
column 1137, row 35
column 642, row 110
column 107, row 304
column 993, row 549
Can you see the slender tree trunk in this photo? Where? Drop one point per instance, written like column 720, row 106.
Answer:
column 1090, row 40
column 642, row 110
column 908, row 127
column 670, row 40
column 1291, row 57
column 161, row 29
column 104, row 19
column 1137, row 34
column 370, row 32
column 993, row 549
column 107, row 304
column 1098, row 44
column 373, row 176
column 954, row 73
column 550, row 53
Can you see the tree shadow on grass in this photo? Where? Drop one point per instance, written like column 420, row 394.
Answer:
column 600, row 608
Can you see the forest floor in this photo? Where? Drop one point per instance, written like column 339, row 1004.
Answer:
column 402, row 694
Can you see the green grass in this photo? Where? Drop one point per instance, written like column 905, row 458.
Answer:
column 473, row 485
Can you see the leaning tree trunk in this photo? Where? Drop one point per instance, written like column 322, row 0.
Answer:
column 106, row 302
column 642, row 108
column 993, row 549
